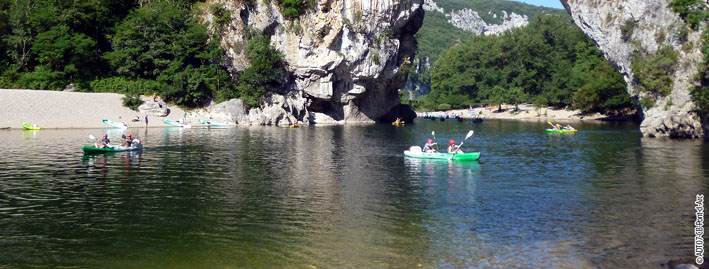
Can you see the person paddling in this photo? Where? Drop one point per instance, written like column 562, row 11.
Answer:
column 105, row 142
column 568, row 127
column 129, row 141
column 428, row 148
column 452, row 148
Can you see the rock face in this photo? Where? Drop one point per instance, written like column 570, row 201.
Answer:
column 656, row 25
column 155, row 109
column 469, row 20
column 344, row 59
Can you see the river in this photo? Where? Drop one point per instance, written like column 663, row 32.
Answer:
column 344, row 196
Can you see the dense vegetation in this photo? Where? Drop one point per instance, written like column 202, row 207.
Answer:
column 549, row 61
column 690, row 11
column 437, row 34
column 132, row 47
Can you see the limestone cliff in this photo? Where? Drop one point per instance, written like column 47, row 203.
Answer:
column 344, row 59
column 621, row 28
column 469, row 20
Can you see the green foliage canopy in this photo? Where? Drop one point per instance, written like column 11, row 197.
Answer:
column 550, row 57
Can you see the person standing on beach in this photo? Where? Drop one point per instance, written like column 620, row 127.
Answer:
column 146, row 120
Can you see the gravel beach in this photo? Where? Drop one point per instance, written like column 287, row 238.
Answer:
column 56, row 109
column 526, row 112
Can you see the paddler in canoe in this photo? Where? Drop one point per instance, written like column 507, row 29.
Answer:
column 428, row 148
column 129, row 141
column 452, row 148
column 104, row 142
column 568, row 127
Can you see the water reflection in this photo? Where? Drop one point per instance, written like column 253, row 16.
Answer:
column 344, row 196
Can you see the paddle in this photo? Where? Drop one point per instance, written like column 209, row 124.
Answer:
column 555, row 127
column 433, row 133
column 470, row 133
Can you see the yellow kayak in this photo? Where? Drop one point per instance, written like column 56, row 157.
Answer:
column 397, row 124
column 29, row 126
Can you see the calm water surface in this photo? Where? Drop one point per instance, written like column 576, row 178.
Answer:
column 344, row 196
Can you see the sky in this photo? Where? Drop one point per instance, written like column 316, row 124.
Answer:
column 544, row 3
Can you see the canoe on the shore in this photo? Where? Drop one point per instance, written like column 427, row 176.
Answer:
column 114, row 124
column 552, row 131
column 28, row 126
column 213, row 124
column 95, row 150
column 416, row 153
column 174, row 123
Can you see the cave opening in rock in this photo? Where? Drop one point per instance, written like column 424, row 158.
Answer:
column 322, row 106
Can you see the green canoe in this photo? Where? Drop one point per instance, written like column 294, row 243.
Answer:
column 552, row 131
column 470, row 156
column 28, row 126
column 95, row 150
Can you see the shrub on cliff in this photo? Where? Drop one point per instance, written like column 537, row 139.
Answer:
column 700, row 92
column 654, row 72
column 690, row 11
column 626, row 30
column 294, row 8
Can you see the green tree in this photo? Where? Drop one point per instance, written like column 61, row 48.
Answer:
column 498, row 96
column 266, row 66
column 550, row 57
column 163, row 41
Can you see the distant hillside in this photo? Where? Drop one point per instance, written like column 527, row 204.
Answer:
column 438, row 33
column 449, row 22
